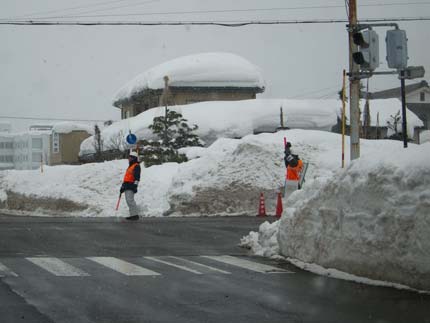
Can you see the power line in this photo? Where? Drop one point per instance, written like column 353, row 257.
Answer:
column 73, row 8
column 223, row 10
column 99, row 10
column 203, row 23
column 51, row 119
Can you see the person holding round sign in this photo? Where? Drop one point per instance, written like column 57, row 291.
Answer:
column 129, row 185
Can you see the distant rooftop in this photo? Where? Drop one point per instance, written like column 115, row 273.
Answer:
column 395, row 92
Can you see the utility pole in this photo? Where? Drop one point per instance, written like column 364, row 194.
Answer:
column 404, row 126
column 354, row 85
column 166, row 109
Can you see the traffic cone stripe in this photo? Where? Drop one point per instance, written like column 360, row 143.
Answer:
column 262, row 206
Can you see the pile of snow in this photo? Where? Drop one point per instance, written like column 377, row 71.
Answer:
column 200, row 70
column 369, row 219
column 236, row 119
column 67, row 127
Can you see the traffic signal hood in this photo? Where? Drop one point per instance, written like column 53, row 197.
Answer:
column 368, row 55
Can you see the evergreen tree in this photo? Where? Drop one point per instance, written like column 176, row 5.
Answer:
column 172, row 132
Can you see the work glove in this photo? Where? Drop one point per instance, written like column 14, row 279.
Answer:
column 122, row 189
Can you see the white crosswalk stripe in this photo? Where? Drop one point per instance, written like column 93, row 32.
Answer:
column 174, row 265
column 57, row 267
column 247, row 264
column 123, row 267
column 202, row 265
column 5, row 271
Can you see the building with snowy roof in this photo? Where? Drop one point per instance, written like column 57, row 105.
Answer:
column 65, row 142
column 417, row 97
column 191, row 79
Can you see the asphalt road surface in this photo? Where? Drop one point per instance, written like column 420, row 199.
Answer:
column 172, row 270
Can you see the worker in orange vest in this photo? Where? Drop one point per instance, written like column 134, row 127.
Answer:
column 129, row 185
column 293, row 164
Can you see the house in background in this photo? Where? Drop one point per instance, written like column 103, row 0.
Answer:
column 65, row 142
column 417, row 99
column 191, row 79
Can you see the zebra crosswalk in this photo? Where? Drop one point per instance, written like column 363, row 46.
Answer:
column 137, row 266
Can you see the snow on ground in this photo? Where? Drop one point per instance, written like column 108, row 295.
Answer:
column 368, row 220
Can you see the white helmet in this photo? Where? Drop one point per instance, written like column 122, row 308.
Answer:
column 133, row 154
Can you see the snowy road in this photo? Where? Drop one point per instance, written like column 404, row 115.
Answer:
column 171, row 270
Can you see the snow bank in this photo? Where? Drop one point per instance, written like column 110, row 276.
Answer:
column 236, row 119
column 199, row 70
column 371, row 220
column 229, row 119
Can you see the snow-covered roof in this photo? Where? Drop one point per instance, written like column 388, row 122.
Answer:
column 67, row 127
column 199, row 70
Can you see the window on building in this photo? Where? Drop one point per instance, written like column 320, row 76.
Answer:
column 422, row 96
column 36, row 143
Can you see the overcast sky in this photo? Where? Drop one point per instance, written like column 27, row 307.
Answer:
column 73, row 72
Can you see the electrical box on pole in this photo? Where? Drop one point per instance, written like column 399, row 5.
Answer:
column 368, row 55
column 397, row 49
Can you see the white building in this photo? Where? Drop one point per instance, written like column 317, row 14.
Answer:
column 31, row 149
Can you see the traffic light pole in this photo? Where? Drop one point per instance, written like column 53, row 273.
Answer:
column 354, row 86
column 404, row 127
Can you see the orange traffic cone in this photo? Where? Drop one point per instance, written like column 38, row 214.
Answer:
column 262, row 206
column 279, row 207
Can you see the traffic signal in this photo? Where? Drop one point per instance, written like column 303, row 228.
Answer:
column 368, row 55
column 397, row 49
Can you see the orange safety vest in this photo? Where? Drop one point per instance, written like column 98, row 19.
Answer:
column 129, row 174
column 293, row 173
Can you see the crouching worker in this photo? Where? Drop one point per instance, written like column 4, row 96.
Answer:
column 294, row 167
column 130, row 183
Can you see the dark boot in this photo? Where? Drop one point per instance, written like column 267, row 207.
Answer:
column 132, row 218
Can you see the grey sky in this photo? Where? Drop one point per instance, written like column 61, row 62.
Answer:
column 74, row 71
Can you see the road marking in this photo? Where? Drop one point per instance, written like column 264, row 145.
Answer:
column 173, row 265
column 4, row 271
column 56, row 266
column 202, row 265
column 123, row 267
column 250, row 265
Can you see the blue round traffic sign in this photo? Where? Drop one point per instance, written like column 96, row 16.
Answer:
column 131, row 139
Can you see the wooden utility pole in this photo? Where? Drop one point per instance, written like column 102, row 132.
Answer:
column 354, row 85
column 343, row 117
column 166, row 110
